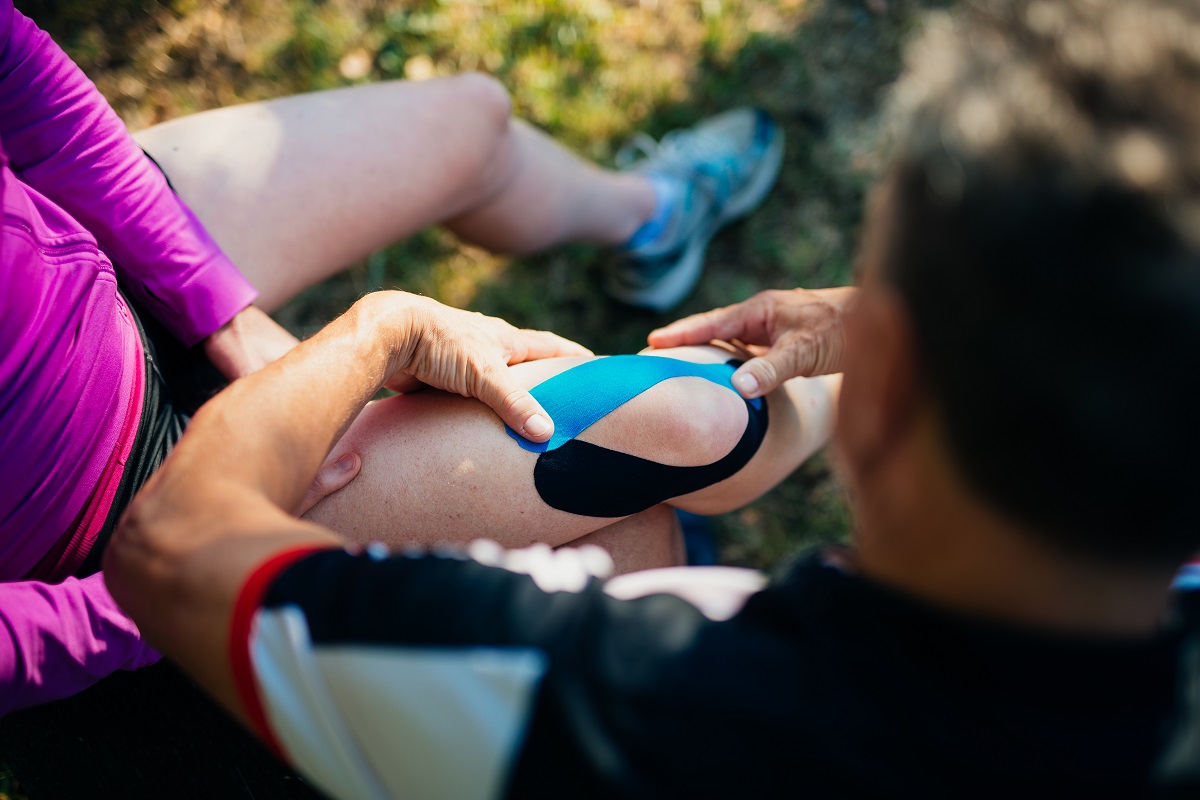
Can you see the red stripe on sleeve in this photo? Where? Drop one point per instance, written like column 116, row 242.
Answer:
column 248, row 602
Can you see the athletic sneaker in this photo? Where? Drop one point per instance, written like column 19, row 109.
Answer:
column 704, row 178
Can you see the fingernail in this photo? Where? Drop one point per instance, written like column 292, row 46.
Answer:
column 747, row 384
column 537, row 425
column 345, row 463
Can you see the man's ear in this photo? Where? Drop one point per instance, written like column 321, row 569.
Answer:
column 881, row 388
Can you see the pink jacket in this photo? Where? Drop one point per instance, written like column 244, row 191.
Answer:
column 80, row 207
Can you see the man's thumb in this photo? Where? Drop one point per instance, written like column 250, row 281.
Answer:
column 758, row 376
column 521, row 412
column 332, row 476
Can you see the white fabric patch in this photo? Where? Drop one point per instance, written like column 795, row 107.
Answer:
column 567, row 569
column 718, row 592
column 378, row 721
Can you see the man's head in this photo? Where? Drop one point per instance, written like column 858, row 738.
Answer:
column 1041, row 228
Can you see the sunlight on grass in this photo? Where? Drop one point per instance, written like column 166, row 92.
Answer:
column 591, row 72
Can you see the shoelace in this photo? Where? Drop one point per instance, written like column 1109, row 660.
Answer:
column 701, row 157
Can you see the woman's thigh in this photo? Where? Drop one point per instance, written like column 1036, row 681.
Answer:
column 296, row 188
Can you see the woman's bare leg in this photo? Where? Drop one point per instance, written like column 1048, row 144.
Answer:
column 297, row 188
column 649, row 540
column 439, row 468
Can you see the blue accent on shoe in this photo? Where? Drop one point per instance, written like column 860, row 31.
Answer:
column 667, row 194
column 581, row 396
column 764, row 128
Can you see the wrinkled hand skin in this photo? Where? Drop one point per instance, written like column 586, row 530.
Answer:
column 803, row 331
column 468, row 353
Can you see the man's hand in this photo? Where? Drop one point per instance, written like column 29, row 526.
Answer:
column 468, row 353
column 247, row 343
column 803, row 330
column 220, row 506
column 332, row 476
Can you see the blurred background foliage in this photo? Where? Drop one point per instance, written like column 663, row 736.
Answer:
column 590, row 72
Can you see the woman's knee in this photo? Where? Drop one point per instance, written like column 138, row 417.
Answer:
column 483, row 95
column 681, row 422
column 476, row 112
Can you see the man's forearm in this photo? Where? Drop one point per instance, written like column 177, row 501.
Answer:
column 215, row 510
column 250, row 452
column 285, row 417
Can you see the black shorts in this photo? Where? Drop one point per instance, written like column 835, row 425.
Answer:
column 178, row 381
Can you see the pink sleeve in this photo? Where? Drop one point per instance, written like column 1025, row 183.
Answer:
column 64, row 140
column 59, row 639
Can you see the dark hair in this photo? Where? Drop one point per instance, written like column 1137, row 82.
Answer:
column 1044, row 230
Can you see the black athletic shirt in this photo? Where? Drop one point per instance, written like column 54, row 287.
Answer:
column 437, row 676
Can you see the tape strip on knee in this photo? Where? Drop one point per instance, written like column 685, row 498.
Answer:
column 587, row 479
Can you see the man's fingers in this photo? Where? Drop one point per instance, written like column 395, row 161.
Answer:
column 803, row 329
column 332, row 476
column 696, row 329
column 742, row 321
column 469, row 354
column 531, row 345
column 792, row 356
column 405, row 384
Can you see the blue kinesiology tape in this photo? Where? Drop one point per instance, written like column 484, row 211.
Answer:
column 581, row 396
column 583, row 478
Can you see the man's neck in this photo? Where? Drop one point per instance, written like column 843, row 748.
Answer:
column 922, row 531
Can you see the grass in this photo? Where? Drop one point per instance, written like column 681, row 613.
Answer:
column 10, row 787
column 591, row 72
